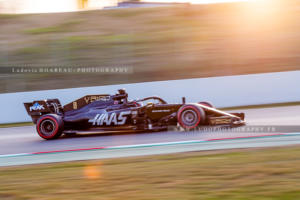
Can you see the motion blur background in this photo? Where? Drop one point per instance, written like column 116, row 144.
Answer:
column 158, row 41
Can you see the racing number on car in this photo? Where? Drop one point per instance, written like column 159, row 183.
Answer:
column 109, row 119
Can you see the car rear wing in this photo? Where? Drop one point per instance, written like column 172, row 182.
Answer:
column 38, row 108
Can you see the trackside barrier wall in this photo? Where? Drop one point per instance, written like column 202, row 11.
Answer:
column 225, row 91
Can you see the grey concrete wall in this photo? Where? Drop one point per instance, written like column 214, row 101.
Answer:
column 221, row 91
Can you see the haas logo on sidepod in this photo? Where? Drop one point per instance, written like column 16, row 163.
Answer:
column 108, row 119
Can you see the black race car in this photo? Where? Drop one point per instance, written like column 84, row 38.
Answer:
column 97, row 113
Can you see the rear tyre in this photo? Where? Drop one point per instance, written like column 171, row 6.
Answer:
column 190, row 116
column 50, row 126
column 206, row 104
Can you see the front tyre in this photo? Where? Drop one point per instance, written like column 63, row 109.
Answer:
column 50, row 126
column 190, row 116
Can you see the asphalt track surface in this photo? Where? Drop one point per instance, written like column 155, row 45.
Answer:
column 22, row 145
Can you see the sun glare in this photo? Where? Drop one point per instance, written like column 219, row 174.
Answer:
column 196, row 1
column 38, row 6
column 41, row 6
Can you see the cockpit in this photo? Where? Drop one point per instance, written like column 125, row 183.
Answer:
column 151, row 101
column 121, row 97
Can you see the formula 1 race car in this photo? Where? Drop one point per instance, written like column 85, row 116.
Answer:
column 98, row 113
